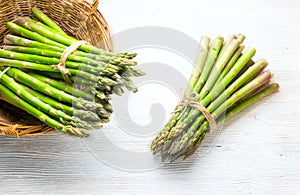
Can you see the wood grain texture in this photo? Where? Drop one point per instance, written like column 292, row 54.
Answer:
column 258, row 151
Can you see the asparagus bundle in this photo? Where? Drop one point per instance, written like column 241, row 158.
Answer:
column 64, row 82
column 224, row 81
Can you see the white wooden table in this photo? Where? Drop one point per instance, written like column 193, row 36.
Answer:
column 258, row 151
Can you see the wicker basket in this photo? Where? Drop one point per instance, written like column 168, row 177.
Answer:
column 78, row 18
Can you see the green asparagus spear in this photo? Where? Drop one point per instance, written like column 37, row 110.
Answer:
column 20, row 41
column 83, row 114
column 64, row 87
column 65, row 40
column 34, row 83
column 11, row 98
column 46, row 20
column 253, row 98
column 247, row 89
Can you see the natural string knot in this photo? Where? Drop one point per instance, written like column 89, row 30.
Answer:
column 62, row 64
column 191, row 100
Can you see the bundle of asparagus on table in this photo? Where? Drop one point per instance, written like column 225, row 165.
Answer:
column 224, row 81
column 67, row 90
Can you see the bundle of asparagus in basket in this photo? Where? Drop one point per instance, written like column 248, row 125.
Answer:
column 63, row 82
column 224, row 81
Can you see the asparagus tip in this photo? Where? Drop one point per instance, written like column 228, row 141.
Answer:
column 77, row 132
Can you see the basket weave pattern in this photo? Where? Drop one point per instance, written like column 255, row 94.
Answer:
column 78, row 18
